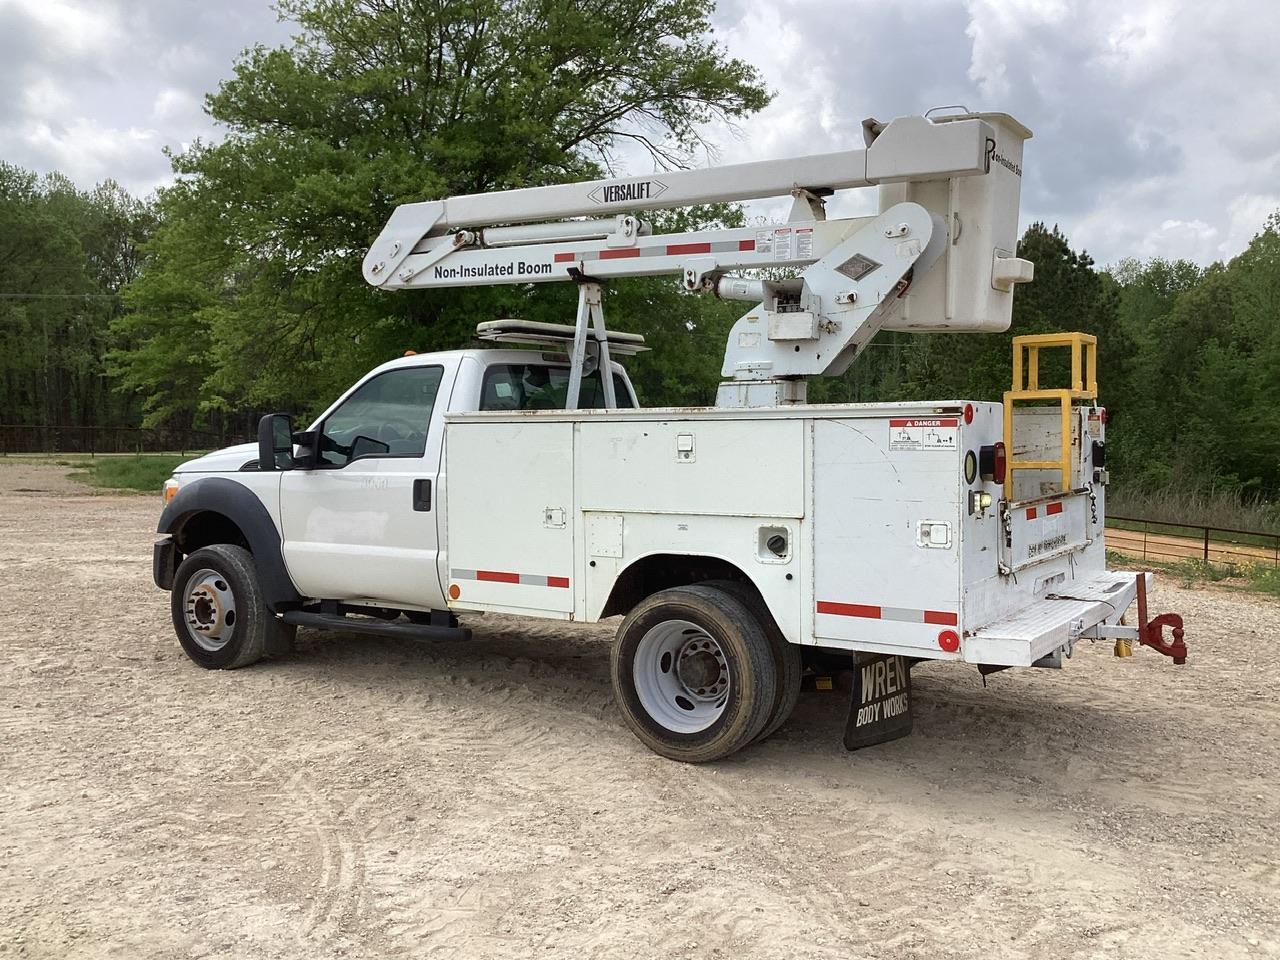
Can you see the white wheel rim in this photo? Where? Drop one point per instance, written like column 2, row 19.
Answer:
column 209, row 608
column 681, row 676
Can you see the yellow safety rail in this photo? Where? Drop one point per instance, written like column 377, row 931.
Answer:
column 1026, row 387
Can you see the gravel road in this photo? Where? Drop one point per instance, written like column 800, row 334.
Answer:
column 386, row 799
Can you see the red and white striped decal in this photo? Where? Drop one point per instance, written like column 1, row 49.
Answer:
column 666, row 250
column 502, row 576
column 1050, row 510
column 903, row 614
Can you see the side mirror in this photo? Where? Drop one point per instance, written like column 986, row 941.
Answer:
column 275, row 442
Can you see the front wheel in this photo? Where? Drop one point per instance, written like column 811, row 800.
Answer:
column 219, row 613
column 693, row 672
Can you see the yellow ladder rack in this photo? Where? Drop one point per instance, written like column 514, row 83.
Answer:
column 1026, row 387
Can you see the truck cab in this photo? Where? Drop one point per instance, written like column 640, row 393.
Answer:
column 360, row 524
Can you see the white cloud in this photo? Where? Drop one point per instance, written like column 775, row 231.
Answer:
column 97, row 88
column 1157, row 122
column 173, row 103
column 1248, row 213
column 73, row 29
column 89, row 153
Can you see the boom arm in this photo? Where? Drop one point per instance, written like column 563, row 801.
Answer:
column 938, row 256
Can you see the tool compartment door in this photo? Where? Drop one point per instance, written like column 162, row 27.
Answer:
column 510, row 516
column 887, row 532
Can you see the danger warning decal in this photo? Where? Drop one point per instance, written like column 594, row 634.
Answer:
column 927, row 433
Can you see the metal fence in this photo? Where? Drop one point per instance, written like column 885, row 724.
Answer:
column 26, row 438
column 1161, row 540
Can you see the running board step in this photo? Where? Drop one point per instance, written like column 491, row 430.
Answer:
column 410, row 631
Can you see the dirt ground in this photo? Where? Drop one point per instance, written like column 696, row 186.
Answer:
column 386, row 799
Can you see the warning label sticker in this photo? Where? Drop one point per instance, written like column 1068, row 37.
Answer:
column 937, row 433
column 804, row 243
column 785, row 243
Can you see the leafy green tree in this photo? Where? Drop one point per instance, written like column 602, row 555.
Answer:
column 64, row 255
column 253, row 293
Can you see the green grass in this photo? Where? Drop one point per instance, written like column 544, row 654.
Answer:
column 1215, row 508
column 143, row 472
column 1256, row 577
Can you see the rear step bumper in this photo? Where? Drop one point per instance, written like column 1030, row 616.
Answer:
column 1084, row 609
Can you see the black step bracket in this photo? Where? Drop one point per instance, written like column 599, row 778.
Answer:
column 381, row 628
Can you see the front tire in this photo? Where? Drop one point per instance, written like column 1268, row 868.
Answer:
column 219, row 613
column 693, row 673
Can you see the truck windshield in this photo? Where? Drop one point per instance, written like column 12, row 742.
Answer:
column 536, row 386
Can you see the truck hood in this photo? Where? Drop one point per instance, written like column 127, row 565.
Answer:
column 226, row 460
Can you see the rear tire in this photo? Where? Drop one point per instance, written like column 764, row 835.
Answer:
column 693, row 673
column 787, row 661
column 219, row 613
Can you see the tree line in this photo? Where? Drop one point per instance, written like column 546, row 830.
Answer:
column 237, row 289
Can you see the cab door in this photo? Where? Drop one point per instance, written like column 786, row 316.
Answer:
column 361, row 525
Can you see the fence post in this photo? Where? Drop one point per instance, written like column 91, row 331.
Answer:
column 1206, row 544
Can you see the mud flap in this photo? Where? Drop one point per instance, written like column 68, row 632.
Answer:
column 880, row 709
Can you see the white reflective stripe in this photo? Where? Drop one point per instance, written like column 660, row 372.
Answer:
column 903, row 614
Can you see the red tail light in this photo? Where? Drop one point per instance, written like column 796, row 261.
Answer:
column 993, row 462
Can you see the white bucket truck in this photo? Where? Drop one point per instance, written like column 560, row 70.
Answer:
column 730, row 539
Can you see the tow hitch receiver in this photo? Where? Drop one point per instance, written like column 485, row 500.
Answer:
column 880, row 709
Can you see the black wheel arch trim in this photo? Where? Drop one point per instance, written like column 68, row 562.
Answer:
column 242, row 507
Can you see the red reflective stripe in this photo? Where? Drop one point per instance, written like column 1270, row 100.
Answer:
column 1031, row 513
column 1053, row 508
column 557, row 582
column 497, row 576
column 941, row 617
column 565, row 257
column 675, row 249
column 849, row 609
column 619, row 254
column 746, row 245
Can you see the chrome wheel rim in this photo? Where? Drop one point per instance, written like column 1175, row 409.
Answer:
column 681, row 676
column 209, row 608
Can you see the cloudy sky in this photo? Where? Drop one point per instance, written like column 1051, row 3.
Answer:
column 1157, row 124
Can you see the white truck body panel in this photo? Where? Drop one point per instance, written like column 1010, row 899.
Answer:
column 883, row 552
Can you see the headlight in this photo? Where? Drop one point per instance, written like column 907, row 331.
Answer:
column 170, row 489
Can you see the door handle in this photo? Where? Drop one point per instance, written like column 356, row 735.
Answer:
column 422, row 495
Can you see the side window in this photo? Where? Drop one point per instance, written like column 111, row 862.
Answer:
column 536, row 386
column 388, row 416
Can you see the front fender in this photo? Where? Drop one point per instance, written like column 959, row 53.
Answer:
column 240, row 506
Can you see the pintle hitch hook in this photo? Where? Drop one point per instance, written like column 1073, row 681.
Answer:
column 1151, row 632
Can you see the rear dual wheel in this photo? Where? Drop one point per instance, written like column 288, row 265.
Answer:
column 695, row 673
